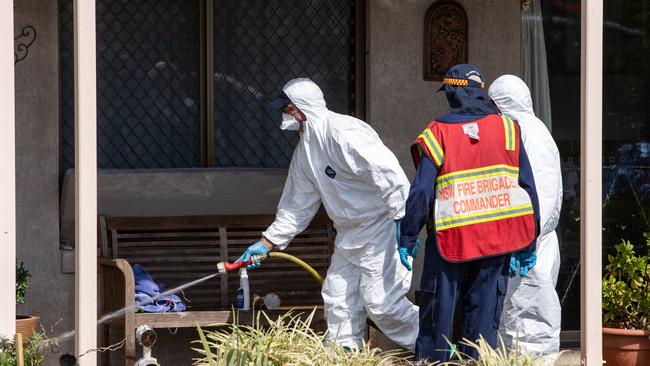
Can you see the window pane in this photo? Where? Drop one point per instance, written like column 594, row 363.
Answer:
column 259, row 45
column 147, row 84
column 626, row 127
column 562, row 38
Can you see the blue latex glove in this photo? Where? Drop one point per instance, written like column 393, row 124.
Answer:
column 527, row 261
column 257, row 249
column 524, row 261
column 405, row 253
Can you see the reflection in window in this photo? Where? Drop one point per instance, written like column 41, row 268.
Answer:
column 626, row 129
column 147, row 84
column 259, row 45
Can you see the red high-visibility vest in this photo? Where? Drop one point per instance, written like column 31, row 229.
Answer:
column 480, row 210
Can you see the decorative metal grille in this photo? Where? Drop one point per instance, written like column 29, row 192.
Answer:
column 148, row 56
column 259, row 45
column 148, row 59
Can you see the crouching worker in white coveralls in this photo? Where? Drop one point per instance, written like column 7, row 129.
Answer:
column 341, row 162
column 531, row 311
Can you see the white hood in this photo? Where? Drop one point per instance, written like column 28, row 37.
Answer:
column 308, row 97
column 512, row 96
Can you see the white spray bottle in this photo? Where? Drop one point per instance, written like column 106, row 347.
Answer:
column 243, row 292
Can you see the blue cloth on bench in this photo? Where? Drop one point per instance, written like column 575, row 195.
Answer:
column 146, row 289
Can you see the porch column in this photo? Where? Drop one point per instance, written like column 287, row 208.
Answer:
column 591, row 109
column 85, row 129
column 7, row 173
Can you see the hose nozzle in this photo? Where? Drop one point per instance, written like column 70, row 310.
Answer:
column 225, row 267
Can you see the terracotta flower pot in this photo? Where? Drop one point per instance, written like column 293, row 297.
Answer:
column 626, row 347
column 26, row 325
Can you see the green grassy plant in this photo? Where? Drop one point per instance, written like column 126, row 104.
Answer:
column 289, row 340
column 499, row 356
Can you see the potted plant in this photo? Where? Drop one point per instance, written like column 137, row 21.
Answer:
column 25, row 325
column 626, row 306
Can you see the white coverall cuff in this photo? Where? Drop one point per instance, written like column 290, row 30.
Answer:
column 398, row 215
column 279, row 241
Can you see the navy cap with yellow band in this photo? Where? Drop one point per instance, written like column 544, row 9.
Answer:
column 463, row 75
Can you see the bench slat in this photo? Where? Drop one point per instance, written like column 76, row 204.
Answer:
column 170, row 243
column 319, row 232
column 212, row 235
column 168, row 252
column 296, row 240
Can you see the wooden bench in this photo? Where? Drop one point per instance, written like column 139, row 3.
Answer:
column 176, row 250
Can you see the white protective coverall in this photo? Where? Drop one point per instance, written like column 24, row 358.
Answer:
column 341, row 162
column 531, row 310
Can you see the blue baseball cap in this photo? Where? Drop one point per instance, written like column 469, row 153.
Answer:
column 464, row 75
column 280, row 101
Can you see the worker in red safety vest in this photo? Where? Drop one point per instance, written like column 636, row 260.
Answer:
column 475, row 189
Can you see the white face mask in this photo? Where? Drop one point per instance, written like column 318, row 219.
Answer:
column 289, row 123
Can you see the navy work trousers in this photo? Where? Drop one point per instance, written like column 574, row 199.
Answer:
column 480, row 287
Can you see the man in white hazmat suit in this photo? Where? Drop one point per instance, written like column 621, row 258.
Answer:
column 531, row 310
column 341, row 162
